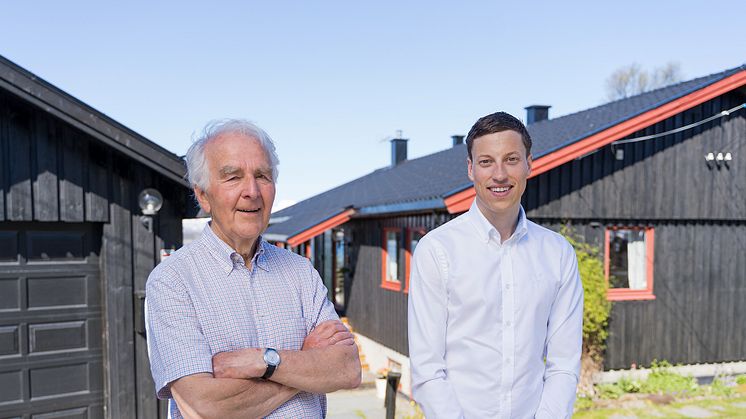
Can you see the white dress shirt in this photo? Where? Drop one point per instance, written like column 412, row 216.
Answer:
column 485, row 315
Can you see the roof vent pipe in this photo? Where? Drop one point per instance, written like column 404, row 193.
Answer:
column 536, row 113
column 398, row 151
column 457, row 139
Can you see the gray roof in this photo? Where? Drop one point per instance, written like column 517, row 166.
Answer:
column 424, row 182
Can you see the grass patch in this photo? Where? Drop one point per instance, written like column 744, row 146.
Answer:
column 636, row 397
column 720, row 408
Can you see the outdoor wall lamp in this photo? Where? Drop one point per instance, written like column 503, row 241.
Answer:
column 720, row 159
column 150, row 202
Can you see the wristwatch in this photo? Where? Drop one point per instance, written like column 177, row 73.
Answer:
column 272, row 359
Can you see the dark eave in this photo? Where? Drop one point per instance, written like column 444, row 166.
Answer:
column 53, row 100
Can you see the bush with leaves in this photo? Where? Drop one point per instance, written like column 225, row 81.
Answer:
column 596, row 308
column 662, row 380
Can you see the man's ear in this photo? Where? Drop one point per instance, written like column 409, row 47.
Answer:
column 529, row 162
column 469, row 169
column 201, row 195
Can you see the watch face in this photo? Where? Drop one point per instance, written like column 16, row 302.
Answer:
column 272, row 357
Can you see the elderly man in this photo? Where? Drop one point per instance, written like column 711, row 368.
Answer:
column 495, row 303
column 236, row 326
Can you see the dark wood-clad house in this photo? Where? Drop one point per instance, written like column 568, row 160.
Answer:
column 75, row 251
column 657, row 181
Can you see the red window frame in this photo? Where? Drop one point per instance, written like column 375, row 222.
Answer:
column 385, row 283
column 626, row 294
column 408, row 254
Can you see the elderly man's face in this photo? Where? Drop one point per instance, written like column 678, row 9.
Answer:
column 241, row 189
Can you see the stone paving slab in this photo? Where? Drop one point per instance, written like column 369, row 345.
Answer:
column 363, row 403
column 696, row 412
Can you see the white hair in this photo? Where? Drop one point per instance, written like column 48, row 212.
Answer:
column 198, row 173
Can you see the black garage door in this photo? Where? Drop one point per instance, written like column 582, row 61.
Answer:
column 50, row 321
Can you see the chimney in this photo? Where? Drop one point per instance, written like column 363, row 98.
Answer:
column 398, row 151
column 536, row 113
column 457, row 139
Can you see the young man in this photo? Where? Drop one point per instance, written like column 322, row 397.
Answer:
column 236, row 326
column 495, row 303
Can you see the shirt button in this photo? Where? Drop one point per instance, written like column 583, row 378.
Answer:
column 507, row 286
column 507, row 323
column 507, row 360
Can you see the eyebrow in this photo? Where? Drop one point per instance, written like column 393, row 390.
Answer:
column 228, row 170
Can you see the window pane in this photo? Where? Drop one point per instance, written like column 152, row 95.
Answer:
column 416, row 236
column 627, row 259
column 392, row 256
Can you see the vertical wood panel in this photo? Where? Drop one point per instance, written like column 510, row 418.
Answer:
column 72, row 180
column 46, row 197
column 144, row 259
column 3, row 156
column 19, row 199
column 118, row 290
column 99, row 180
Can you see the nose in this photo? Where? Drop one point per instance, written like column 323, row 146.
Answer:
column 499, row 173
column 250, row 188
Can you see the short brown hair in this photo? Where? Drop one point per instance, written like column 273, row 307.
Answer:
column 497, row 122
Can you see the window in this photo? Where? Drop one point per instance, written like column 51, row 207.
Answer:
column 340, row 268
column 413, row 237
column 628, row 263
column 391, row 255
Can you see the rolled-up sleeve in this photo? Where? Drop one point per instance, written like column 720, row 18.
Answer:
column 176, row 344
column 564, row 343
column 428, row 317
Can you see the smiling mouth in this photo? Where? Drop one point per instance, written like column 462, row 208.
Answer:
column 249, row 211
column 501, row 189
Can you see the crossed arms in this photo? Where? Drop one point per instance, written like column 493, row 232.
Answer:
column 328, row 361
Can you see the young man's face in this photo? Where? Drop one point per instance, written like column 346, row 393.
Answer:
column 499, row 170
column 241, row 189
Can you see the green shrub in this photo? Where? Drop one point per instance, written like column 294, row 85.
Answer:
column 741, row 379
column 583, row 403
column 662, row 380
column 596, row 308
column 609, row 391
column 630, row 386
column 720, row 388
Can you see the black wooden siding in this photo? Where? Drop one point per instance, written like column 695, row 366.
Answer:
column 664, row 179
column 51, row 172
column 378, row 313
column 700, row 286
column 699, row 216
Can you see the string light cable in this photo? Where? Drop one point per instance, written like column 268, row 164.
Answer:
column 684, row 128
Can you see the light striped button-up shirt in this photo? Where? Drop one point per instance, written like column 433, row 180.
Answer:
column 484, row 315
column 203, row 300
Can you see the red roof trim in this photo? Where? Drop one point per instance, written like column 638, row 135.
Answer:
column 314, row 231
column 461, row 201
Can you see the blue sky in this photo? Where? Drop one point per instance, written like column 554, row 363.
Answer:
column 330, row 80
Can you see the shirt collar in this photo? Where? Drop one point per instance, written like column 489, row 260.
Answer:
column 486, row 230
column 227, row 257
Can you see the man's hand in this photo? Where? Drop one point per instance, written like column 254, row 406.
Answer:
column 243, row 363
column 328, row 333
